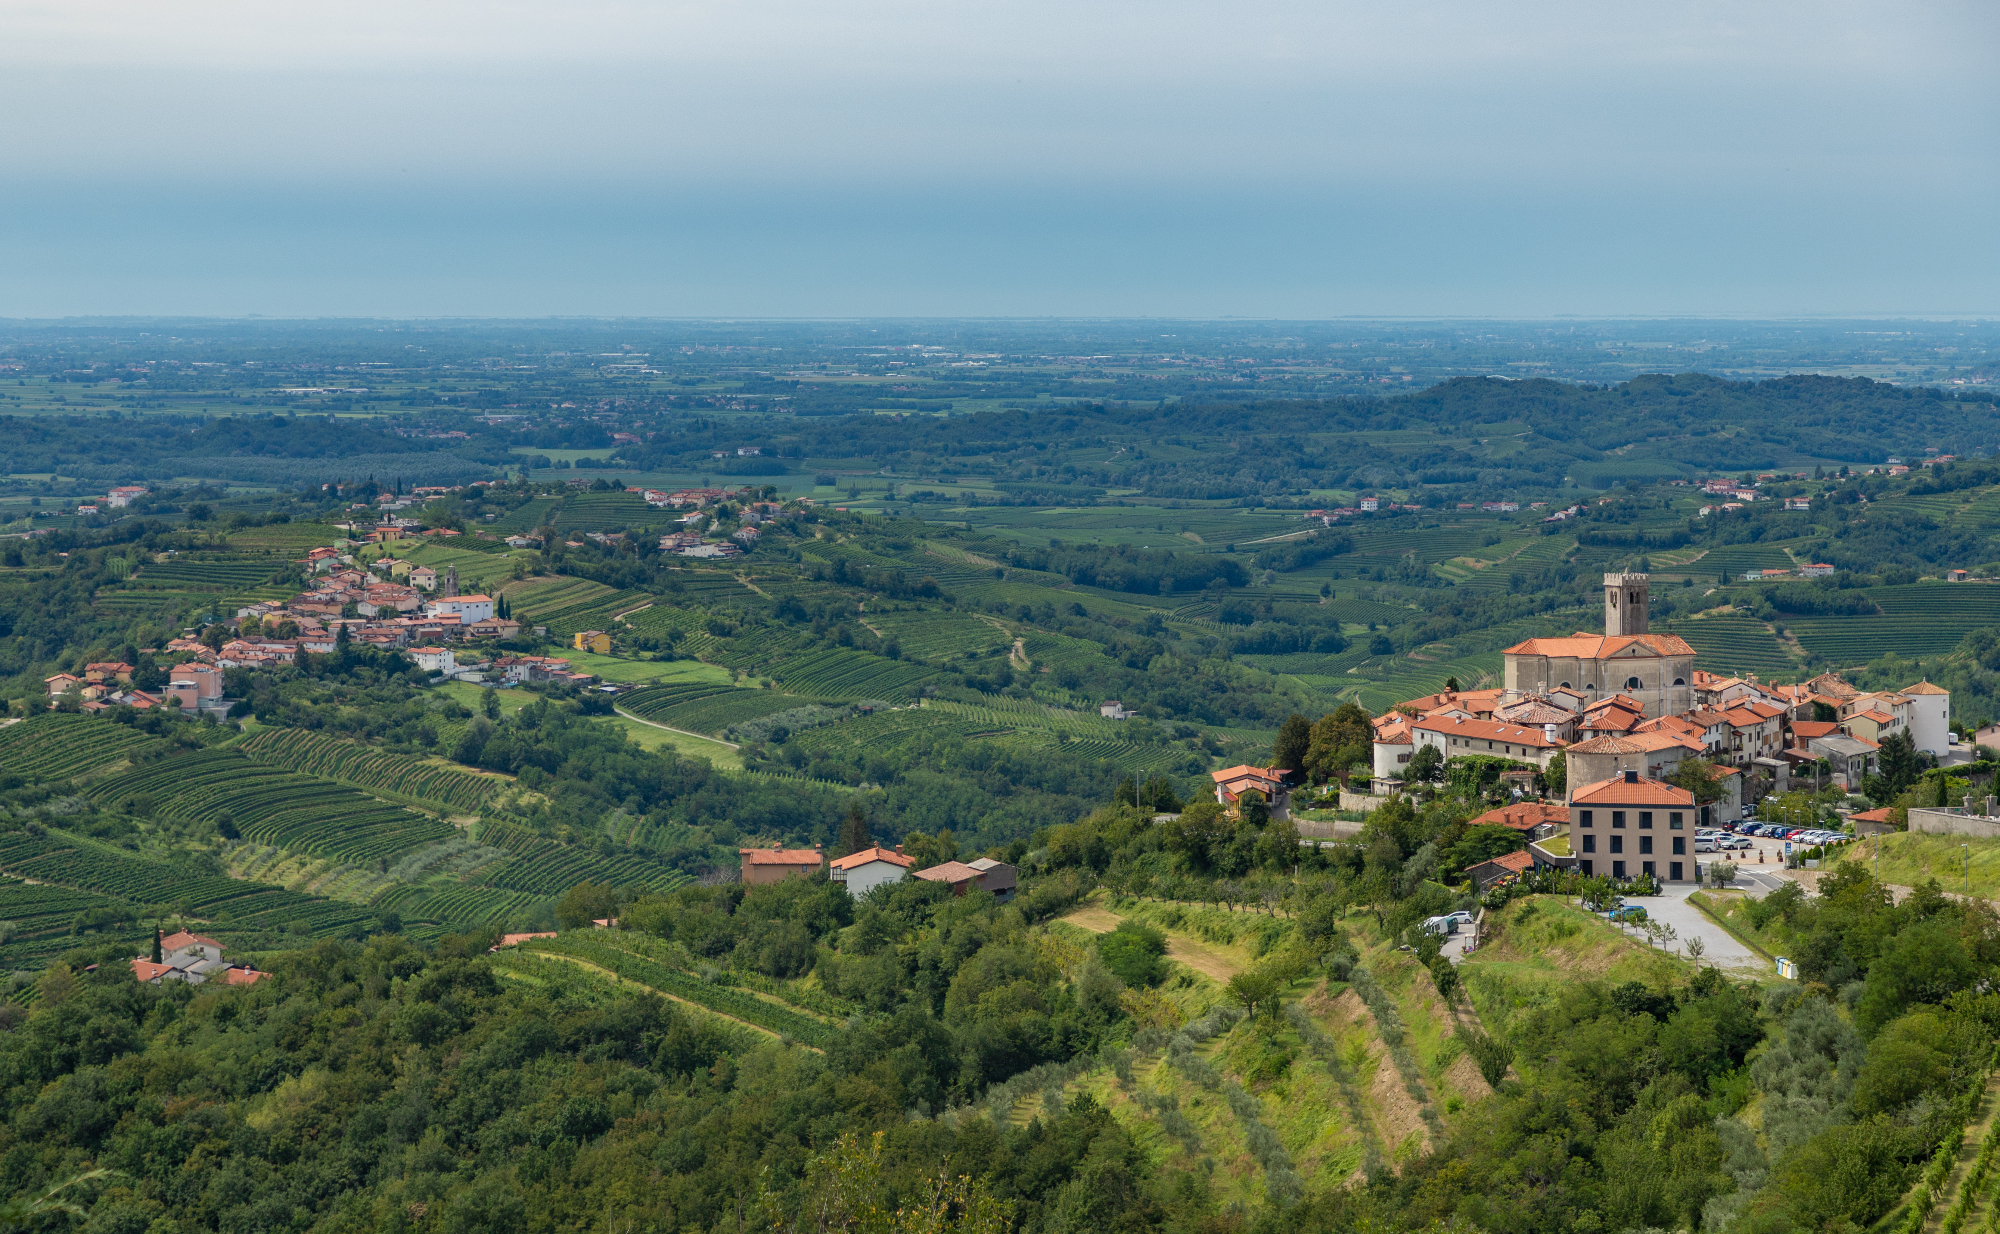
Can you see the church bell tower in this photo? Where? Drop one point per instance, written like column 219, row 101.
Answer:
column 1624, row 604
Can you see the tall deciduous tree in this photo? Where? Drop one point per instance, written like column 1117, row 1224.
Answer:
column 1294, row 739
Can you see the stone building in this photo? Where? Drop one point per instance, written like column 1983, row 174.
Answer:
column 1653, row 669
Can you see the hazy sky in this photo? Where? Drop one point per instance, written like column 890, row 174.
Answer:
column 777, row 158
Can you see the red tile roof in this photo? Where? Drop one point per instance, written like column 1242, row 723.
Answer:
column 950, row 872
column 781, row 856
column 1517, row 862
column 1642, row 792
column 182, row 938
column 1584, row 646
column 1524, row 816
column 1486, row 730
column 146, row 970
column 1809, row 729
column 866, row 855
column 1872, row 816
column 243, row 976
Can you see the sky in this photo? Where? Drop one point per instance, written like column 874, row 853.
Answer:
column 773, row 158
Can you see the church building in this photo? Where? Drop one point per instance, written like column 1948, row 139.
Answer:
column 1653, row 669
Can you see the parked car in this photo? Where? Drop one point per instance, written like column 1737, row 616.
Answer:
column 1733, row 842
column 1705, row 844
column 1628, row 912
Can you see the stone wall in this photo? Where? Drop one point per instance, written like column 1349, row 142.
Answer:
column 1955, row 823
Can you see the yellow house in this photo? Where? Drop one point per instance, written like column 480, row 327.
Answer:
column 398, row 568
column 592, row 640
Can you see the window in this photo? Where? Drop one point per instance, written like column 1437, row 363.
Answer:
column 1645, row 844
column 1646, row 866
column 1617, row 844
column 1674, row 871
column 1618, row 869
column 1679, row 682
column 1586, row 869
column 1590, row 844
column 1565, row 685
column 1680, row 846
column 1618, row 818
column 1645, row 820
column 1674, row 821
column 1631, row 683
column 1583, row 818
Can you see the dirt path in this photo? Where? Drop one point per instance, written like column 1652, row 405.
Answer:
column 683, row 732
column 685, row 1002
column 1210, row 965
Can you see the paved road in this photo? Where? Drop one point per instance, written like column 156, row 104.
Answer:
column 1719, row 947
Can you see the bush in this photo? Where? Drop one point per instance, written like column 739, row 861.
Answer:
column 1135, row 954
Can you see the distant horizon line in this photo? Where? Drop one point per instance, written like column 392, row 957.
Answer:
column 740, row 318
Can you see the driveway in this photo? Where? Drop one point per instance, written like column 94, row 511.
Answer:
column 1719, row 947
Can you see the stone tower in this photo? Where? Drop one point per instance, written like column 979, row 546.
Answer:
column 448, row 585
column 1624, row 604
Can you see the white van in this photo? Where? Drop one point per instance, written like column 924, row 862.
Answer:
column 1704, row 844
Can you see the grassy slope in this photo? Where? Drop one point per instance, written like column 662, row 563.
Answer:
column 1909, row 859
column 1528, row 956
column 1300, row 1099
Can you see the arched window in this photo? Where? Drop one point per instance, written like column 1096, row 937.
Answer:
column 1679, row 682
column 1631, row 683
column 1565, row 685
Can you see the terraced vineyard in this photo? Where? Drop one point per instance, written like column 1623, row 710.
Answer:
column 713, row 710
column 936, row 636
column 662, row 619
column 55, row 858
column 58, row 745
column 269, row 805
column 843, row 673
column 1919, row 621
column 447, row 903
column 1732, row 644
column 545, row 868
column 886, row 728
column 621, row 956
column 528, row 517
column 1734, row 559
column 606, row 511
column 349, row 762
column 42, row 915
column 220, row 576
column 284, row 537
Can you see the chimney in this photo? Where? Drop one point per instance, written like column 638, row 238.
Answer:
column 899, row 850
column 1631, row 777
column 817, row 847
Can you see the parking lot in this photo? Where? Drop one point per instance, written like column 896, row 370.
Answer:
column 1763, row 851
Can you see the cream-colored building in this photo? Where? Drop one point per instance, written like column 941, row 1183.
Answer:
column 1654, row 669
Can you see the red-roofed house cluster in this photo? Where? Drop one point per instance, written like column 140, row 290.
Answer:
column 1625, row 708
column 863, row 871
column 193, row 958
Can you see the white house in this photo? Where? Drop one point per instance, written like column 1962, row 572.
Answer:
column 1394, row 744
column 433, row 659
column 868, row 869
column 467, row 609
column 1929, row 716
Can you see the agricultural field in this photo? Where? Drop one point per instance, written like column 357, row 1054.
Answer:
column 62, row 745
column 443, row 785
column 544, row 867
column 476, row 570
column 643, row 960
column 704, row 707
column 227, row 577
column 608, row 512
column 41, row 920
column 227, row 902
column 270, row 805
column 1733, row 644
column 843, row 673
column 292, row 539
